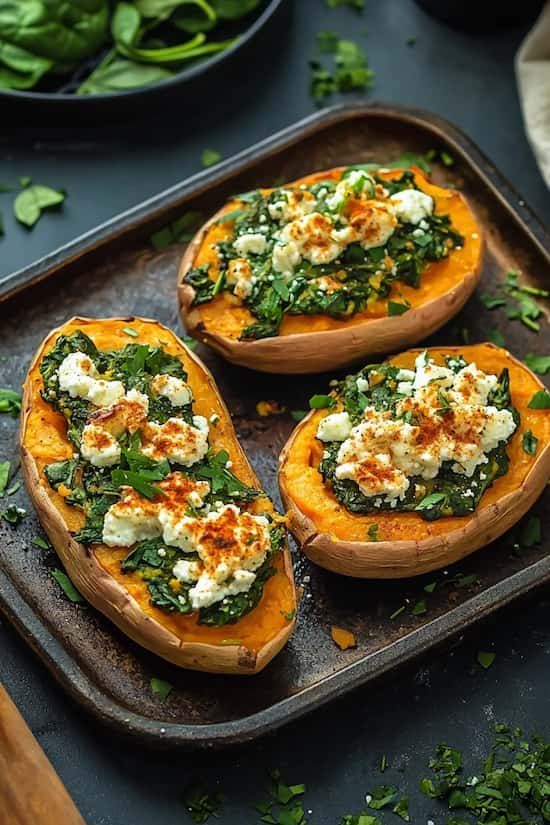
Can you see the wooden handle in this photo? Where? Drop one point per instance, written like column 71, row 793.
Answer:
column 31, row 793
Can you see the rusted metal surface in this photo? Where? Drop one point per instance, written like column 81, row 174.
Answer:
column 116, row 272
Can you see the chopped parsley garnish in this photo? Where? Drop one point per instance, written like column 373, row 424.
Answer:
column 496, row 337
column 401, row 808
column 179, row 231
column 486, row 658
column 517, row 300
column 372, row 532
column 538, row 363
column 350, row 71
column 529, row 442
column 210, row 157
column 540, row 401
column 67, row 586
column 202, row 804
column 38, row 541
column 10, row 402
column 13, row 514
column 381, row 796
column 161, row 688
column 420, row 608
column 397, row 308
column 530, row 532
column 4, row 475
column 321, row 402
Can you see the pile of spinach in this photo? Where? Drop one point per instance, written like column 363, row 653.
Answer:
column 137, row 43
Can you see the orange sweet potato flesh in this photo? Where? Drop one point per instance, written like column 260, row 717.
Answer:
column 45, row 438
column 305, row 486
column 225, row 315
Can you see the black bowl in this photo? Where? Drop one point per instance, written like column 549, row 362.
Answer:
column 56, row 107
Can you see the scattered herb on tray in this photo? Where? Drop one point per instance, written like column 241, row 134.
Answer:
column 518, row 300
column 161, row 688
column 4, row 475
column 485, row 658
column 13, row 514
column 67, row 586
column 202, row 804
column 349, row 71
column 29, row 204
column 538, row 363
column 10, row 402
column 209, row 157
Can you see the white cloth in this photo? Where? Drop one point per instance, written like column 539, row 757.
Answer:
column 533, row 76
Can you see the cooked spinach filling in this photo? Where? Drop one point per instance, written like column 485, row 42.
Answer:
column 450, row 493
column 359, row 276
column 94, row 489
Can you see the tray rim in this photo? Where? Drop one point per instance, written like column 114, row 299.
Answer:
column 104, row 707
column 153, row 208
column 41, row 639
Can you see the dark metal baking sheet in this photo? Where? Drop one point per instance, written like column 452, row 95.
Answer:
column 114, row 271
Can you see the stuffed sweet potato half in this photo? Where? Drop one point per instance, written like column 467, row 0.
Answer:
column 132, row 463
column 414, row 463
column 336, row 266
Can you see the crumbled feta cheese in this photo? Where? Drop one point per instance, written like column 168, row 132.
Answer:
column 334, row 427
column 177, row 391
column 239, row 275
column 286, row 256
column 411, row 205
column 128, row 414
column 381, row 453
column 354, row 185
column 78, row 376
column 313, row 236
column 99, row 447
column 362, row 384
column 291, row 204
column 371, row 225
column 253, row 243
column 135, row 518
column 177, row 440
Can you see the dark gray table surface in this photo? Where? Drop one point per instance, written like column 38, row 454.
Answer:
column 470, row 80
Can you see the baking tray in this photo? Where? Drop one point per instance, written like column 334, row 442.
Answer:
column 113, row 271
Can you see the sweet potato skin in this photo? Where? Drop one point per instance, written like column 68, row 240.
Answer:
column 318, row 342
column 96, row 570
column 336, row 539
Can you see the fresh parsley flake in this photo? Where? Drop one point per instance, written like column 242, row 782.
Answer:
column 320, row 402
column 202, row 804
column 396, row 308
column 373, row 532
column 485, row 658
column 10, row 402
column 133, row 333
column 13, row 514
column 38, row 541
column 540, row 401
column 210, row 157
column 538, row 363
column 4, row 475
column 67, row 586
column 529, row 442
column 160, row 688
column 496, row 337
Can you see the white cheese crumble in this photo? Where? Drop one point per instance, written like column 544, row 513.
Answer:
column 177, row 440
column 411, row 205
column 253, row 243
column 177, row 391
column 381, row 453
column 230, row 544
column 334, row 427
column 313, row 237
column 239, row 275
column 99, row 447
column 291, row 204
column 78, row 376
column 354, row 185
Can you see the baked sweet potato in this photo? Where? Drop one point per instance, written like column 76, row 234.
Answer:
column 388, row 543
column 123, row 590
column 438, row 271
